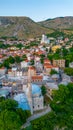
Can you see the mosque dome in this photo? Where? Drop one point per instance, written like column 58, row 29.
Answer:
column 36, row 89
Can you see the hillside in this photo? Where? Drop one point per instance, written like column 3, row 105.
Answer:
column 58, row 23
column 21, row 27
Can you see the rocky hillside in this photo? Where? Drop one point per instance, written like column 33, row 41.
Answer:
column 58, row 23
column 21, row 27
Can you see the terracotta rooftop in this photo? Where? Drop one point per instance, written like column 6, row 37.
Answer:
column 48, row 66
column 31, row 67
column 37, row 77
column 2, row 68
column 46, row 61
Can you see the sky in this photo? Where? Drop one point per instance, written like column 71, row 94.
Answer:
column 38, row 10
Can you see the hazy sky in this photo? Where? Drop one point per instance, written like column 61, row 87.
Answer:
column 36, row 9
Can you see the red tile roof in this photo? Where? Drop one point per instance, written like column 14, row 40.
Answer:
column 37, row 77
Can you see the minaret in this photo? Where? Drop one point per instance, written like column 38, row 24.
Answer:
column 30, row 91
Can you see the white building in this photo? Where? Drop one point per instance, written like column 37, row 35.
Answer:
column 45, row 39
column 24, row 64
column 71, row 65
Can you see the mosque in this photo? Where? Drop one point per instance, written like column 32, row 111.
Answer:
column 31, row 98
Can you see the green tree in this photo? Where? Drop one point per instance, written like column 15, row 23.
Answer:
column 11, row 59
column 17, row 59
column 8, row 104
column 6, row 64
column 11, row 117
column 43, row 89
column 69, row 71
column 20, row 45
column 53, row 72
column 24, row 57
column 9, row 120
column 32, row 62
column 23, row 114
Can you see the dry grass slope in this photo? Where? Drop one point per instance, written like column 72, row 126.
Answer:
column 21, row 27
column 58, row 23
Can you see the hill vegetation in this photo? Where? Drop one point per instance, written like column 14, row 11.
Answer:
column 21, row 27
column 58, row 23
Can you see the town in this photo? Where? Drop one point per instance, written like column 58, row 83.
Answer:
column 31, row 70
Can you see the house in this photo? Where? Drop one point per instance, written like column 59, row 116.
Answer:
column 50, row 86
column 31, row 70
column 47, row 68
column 46, row 61
column 24, row 64
column 54, row 48
column 3, row 71
column 60, row 63
column 56, row 68
column 39, row 67
column 37, row 59
column 71, row 65
column 4, row 93
column 55, row 77
column 10, row 72
column 37, row 78
column 66, row 78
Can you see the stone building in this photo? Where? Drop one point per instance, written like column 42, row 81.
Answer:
column 31, row 98
column 60, row 63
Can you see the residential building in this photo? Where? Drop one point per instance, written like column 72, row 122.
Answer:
column 60, row 63
column 37, row 78
column 3, row 71
column 50, row 86
column 31, row 70
column 71, row 65
column 54, row 48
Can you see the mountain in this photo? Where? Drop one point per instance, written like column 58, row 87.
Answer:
column 21, row 27
column 58, row 23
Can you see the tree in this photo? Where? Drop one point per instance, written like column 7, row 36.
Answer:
column 32, row 62
column 9, row 120
column 53, row 71
column 20, row 45
column 69, row 71
column 11, row 59
column 2, row 99
column 43, row 89
column 24, row 57
column 23, row 114
column 6, row 64
column 17, row 59
column 11, row 117
column 8, row 104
